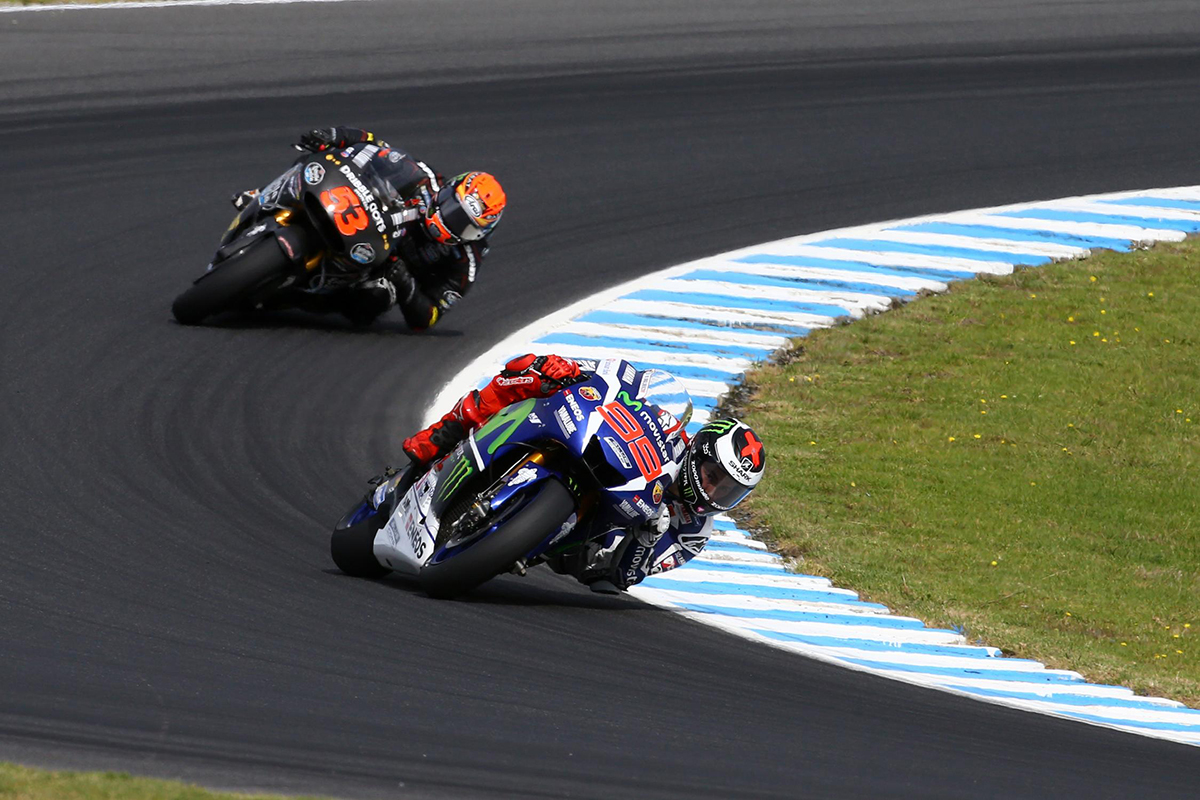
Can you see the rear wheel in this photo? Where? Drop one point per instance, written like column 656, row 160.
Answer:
column 240, row 279
column 352, row 544
column 499, row 551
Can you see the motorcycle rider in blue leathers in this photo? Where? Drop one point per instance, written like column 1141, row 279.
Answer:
column 720, row 466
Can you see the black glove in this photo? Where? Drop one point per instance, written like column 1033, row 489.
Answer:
column 319, row 139
column 403, row 280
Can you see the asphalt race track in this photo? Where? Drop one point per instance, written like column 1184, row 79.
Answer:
column 167, row 602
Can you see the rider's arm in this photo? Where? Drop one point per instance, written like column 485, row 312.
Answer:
column 523, row 377
column 423, row 306
column 682, row 542
column 341, row 136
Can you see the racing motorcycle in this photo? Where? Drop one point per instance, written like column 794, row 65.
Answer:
column 535, row 484
column 320, row 227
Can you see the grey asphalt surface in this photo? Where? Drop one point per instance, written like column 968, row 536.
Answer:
column 167, row 604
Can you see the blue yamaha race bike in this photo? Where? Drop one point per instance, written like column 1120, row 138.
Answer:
column 538, row 480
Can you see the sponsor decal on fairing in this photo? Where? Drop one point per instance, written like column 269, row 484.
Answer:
column 522, row 476
column 618, row 451
column 565, row 422
column 313, row 174
column 363, row 253
column 576, row 411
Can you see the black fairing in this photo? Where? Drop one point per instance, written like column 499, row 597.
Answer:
column 346, row 206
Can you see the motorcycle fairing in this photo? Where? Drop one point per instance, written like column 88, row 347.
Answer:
column 618, row 451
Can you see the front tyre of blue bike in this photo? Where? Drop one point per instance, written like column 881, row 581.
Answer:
column 352, row 544
column 496, row 553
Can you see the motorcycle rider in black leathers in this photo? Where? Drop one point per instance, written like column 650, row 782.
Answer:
column 441, row 234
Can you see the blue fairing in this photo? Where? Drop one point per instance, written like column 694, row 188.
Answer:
column 623, row 424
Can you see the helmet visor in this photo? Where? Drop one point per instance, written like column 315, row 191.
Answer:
column 721, row 489
column 454, row 217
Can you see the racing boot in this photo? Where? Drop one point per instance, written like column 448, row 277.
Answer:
column 425, row 447
column 363, row 303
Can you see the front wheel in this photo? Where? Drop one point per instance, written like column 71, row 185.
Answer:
column 542, row 515
column 251, row 272
column 352, row 544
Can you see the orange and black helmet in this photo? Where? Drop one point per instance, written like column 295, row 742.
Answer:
column 466, row 209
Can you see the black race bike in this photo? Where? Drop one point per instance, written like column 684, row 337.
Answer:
column 319, row 228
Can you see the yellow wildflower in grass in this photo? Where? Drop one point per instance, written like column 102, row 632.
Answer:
column 993, row 563
column 1123, row 644
column 1070, row 319
column 1033, row 483
column 792, row 380
column 1102, row 311
column 1104, row 340
column 1095, row 333
column 1003, row 397
column 1093, row 279
column 1149, row 294
column 983, row 412
column 977, row 436
column 950, row 439
column 1072, row 341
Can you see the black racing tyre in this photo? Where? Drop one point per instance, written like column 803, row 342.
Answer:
column 499, row 551
column 353, row 546
column 236, row 280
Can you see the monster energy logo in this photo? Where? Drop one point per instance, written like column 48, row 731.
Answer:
column 636, row 405
column 509, row 419
column 719, row 426
column 457, row 475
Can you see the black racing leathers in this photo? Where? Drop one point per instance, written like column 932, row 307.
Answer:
column 428, row 277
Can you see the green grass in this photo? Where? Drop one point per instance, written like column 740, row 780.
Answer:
column 1017, row 458
column 24, row 783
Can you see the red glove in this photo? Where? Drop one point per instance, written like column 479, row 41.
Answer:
column 558, row 368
